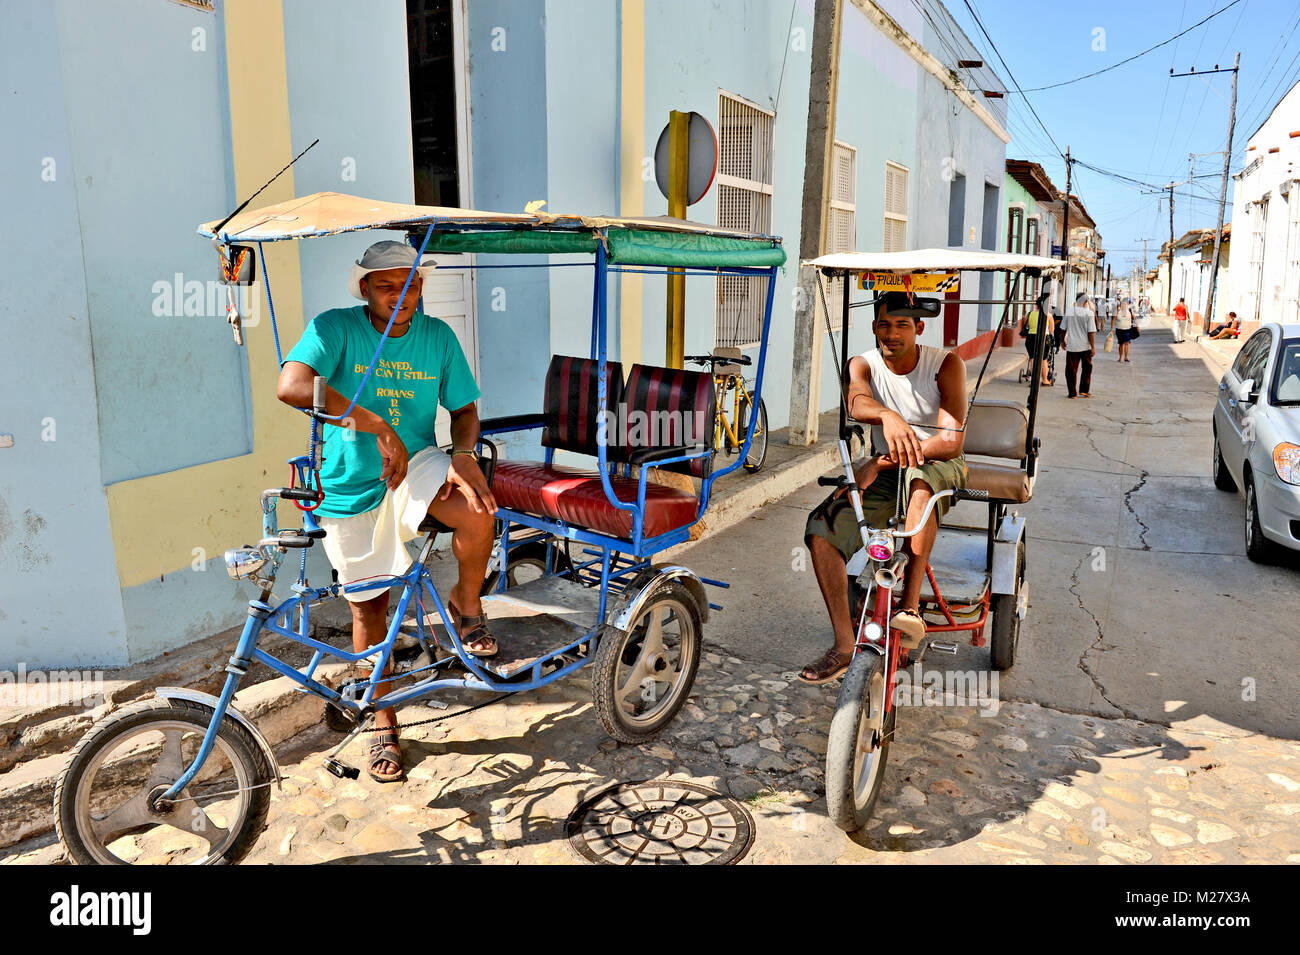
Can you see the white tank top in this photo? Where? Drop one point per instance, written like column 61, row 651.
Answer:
column 915, row 395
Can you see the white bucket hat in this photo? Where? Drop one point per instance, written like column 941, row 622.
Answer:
column 388, row 254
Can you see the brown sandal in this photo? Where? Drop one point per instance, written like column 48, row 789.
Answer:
column 832, row 664
column 474, row 634
column 382, row 751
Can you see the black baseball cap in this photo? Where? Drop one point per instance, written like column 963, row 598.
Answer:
column 913, row 306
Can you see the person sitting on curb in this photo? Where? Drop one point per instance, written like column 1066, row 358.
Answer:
column 1229, row 329
column 379, row 489
column 896, row 388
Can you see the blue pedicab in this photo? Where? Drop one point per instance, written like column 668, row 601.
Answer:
column 186, row 777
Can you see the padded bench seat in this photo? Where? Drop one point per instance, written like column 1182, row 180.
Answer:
column 1001, row 482
column 576, row 496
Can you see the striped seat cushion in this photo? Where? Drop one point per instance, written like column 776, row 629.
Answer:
column 572, row 402
column 670, row 407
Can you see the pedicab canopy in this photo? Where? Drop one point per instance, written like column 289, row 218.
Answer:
column 933, row 260
column 629, row 241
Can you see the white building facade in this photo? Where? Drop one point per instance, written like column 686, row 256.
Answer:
column 1265, row 262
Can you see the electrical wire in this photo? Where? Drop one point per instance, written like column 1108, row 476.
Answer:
column 1107, row 69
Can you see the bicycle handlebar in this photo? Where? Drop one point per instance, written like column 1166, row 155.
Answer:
column 716, row 360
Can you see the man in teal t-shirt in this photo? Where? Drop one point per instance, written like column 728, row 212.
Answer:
column 382, row 471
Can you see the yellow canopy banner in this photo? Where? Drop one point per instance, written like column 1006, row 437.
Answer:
column 925, row 283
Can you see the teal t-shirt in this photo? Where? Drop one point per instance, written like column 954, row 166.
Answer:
column 417, row 372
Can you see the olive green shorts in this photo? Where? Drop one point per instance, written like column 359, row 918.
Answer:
column 833, row 518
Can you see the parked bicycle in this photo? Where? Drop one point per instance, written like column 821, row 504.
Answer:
column 730, row 428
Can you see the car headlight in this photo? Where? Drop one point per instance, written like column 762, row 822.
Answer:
column 1286, row 461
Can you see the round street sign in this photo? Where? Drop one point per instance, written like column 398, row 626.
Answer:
column 701, row 163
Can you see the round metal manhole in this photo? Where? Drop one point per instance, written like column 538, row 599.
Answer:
column 661, row 822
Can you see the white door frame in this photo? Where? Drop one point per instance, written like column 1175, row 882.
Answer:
column 465, row 154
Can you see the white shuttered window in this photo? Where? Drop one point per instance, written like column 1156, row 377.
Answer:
column 841, row 221
column 895, row 239
column 744, row 202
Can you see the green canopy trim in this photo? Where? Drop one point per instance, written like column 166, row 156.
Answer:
column 651, row 247
column 514, row 242
column 626, row 246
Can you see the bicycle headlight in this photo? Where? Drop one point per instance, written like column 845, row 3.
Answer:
column 880, row 547
column 1286, row 461
column 242, row 563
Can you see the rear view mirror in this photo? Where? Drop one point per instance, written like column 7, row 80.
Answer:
column 1246, row 391
column 238, row 265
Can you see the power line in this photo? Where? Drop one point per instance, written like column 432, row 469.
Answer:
column 1012, row 78
column 1107, row 69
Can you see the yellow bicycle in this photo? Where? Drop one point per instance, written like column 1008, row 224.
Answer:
column 730, row 428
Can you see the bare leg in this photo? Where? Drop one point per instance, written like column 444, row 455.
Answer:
column 370, row 626
column 919, row 546
column 471, row 544
column 829, row 566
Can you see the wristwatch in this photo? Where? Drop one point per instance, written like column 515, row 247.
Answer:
column 473, row 455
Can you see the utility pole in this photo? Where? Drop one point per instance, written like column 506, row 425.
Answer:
column 1223, row 188
column 1065, row 234
column 806, row 370
column 1143, row 285
column 1223, row 196
column 1169, row 286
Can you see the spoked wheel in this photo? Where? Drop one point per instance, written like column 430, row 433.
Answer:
column 527, row 562
column 758, row 447
column 644, row 675
column 857, row 748
column 108, row 807
column 1006, row 619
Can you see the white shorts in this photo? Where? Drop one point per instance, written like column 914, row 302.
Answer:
column 373, row 544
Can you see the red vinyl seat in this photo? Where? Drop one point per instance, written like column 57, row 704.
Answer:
column 576, row 496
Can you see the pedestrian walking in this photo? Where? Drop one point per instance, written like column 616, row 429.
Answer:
column 1180, row 321
column 1036, row 324
column 1080, row 347
column 1122, row 326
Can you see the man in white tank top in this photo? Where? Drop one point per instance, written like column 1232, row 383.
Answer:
column 914, row 398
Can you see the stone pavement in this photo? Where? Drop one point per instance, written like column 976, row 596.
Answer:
column 963, row 784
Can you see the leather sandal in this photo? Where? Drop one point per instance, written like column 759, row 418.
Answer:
column 382, row 749
column 910, row 628
column 832, row 664
column 474, row 634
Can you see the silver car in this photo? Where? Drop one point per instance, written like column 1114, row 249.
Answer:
column 1257, row 437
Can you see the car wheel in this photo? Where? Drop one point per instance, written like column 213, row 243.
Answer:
column 1222, row 479
column 1258, row 547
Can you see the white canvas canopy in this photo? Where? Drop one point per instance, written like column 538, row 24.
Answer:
column 331, row 213
column 933, row 260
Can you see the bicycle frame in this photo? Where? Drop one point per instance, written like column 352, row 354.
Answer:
column 724, row 384
column 416, row 585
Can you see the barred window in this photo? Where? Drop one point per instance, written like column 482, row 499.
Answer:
column 745, row 157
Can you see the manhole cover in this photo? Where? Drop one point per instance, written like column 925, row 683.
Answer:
column 661, row 822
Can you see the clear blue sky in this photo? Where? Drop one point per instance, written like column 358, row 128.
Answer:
column 1136, row 120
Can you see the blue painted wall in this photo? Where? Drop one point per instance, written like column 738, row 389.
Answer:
column 58, row 587
column 151, row 161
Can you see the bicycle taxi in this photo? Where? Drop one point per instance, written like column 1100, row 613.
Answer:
column 976, row 575
column 586, row 520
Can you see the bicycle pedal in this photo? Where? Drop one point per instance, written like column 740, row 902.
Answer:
column 340, row 769
column 948, row 648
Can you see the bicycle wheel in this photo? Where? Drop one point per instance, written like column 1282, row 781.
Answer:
column 644, row 675
column 106, row 808
column 758, row 447
column 527, row 563
column 857, row 748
